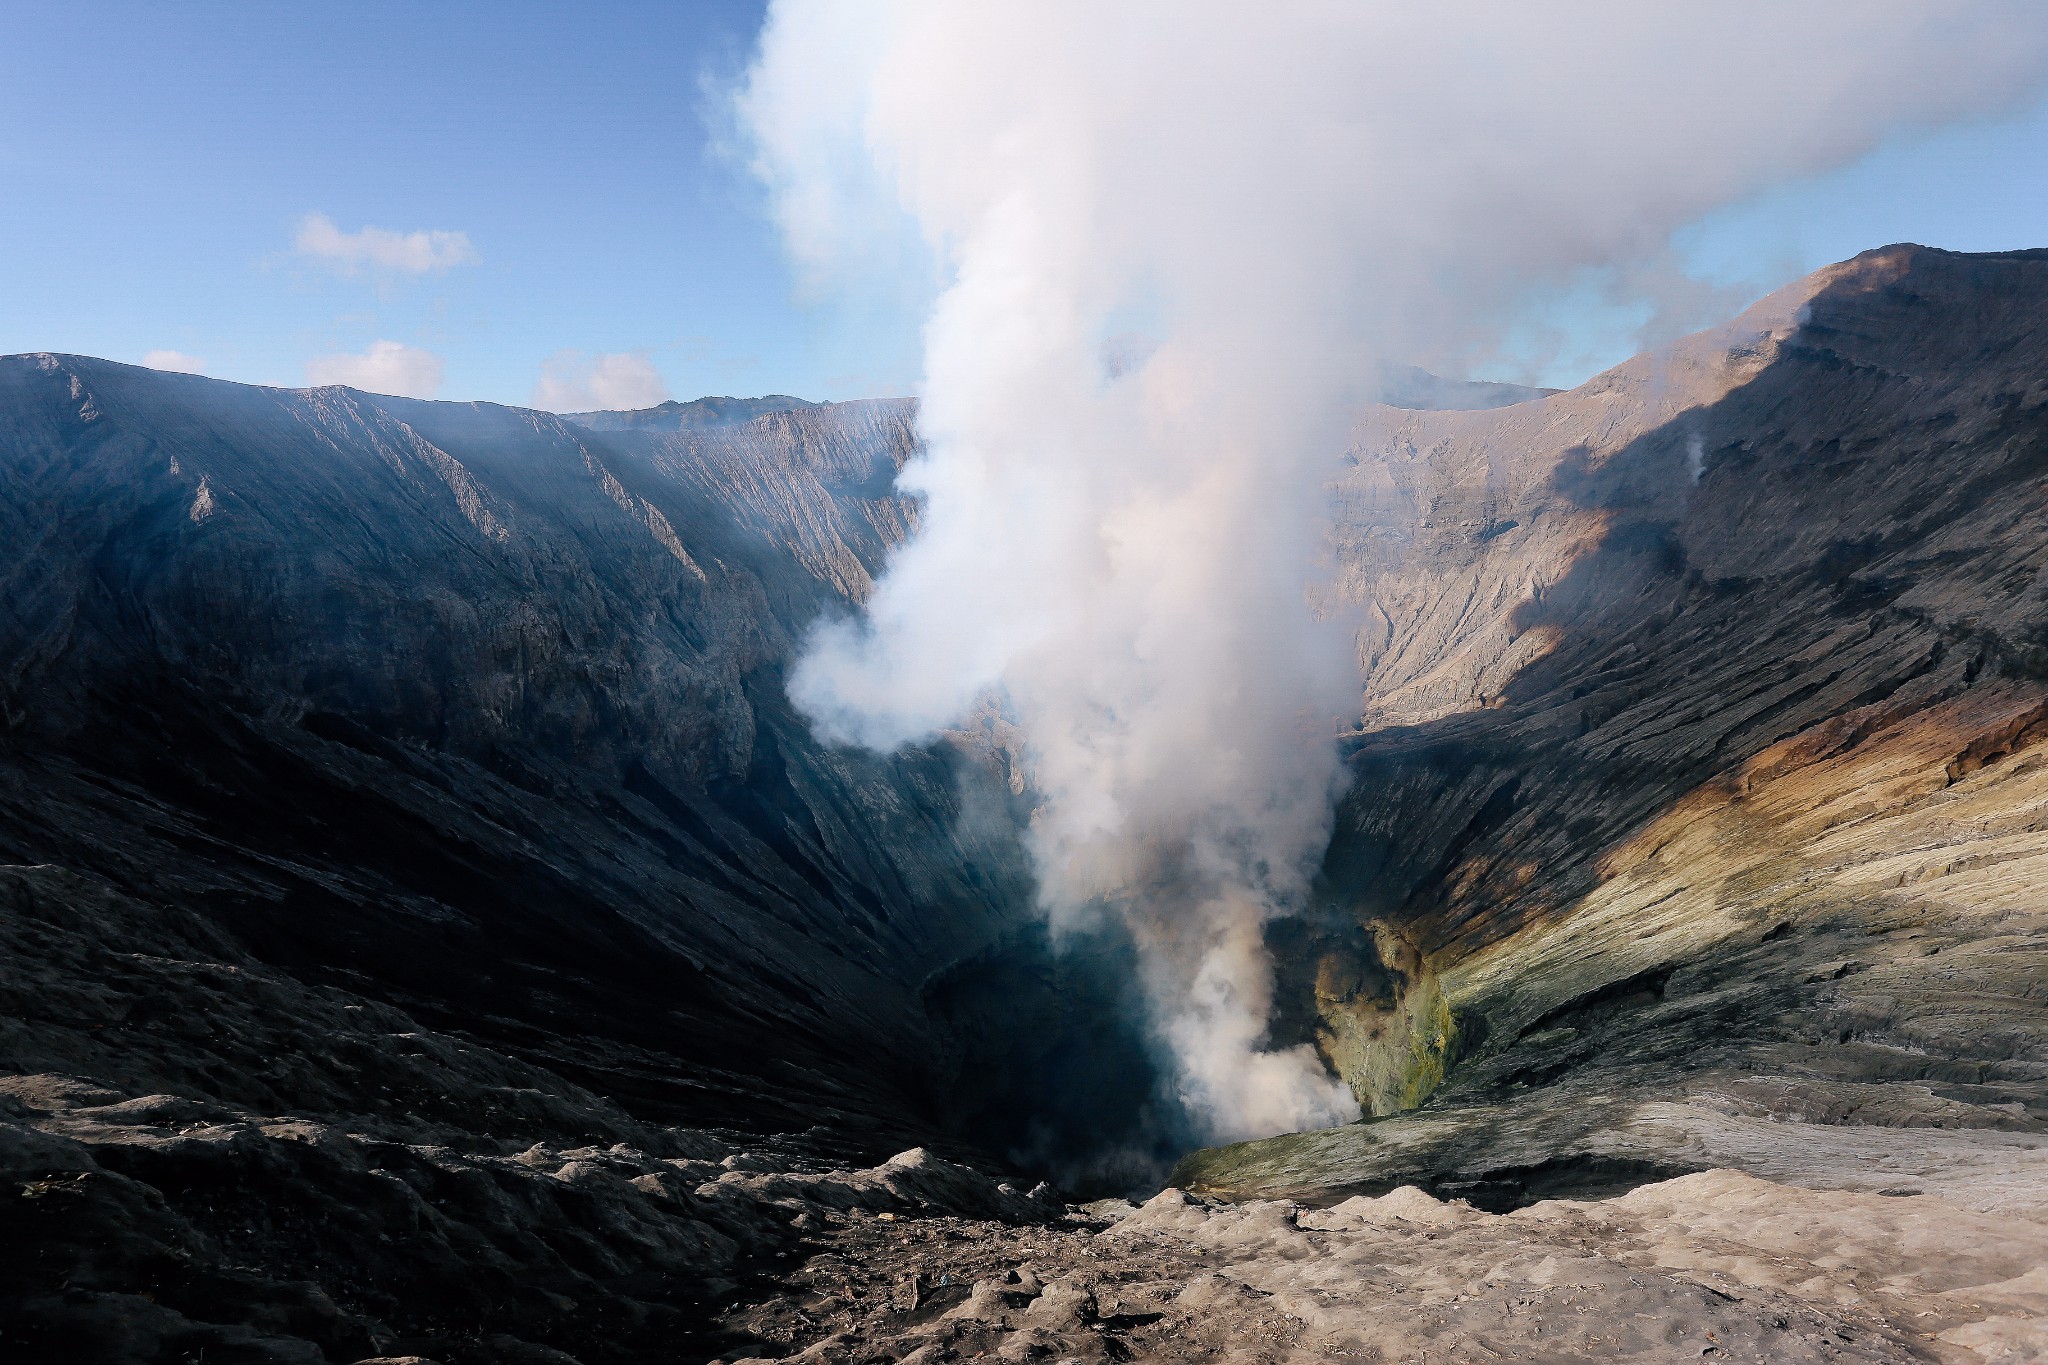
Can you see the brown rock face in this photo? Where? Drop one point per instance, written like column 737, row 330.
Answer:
column 1702, row 756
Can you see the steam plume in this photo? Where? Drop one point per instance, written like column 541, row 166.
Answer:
column 1173, row 240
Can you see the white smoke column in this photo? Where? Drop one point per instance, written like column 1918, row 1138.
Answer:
column 1280, row 197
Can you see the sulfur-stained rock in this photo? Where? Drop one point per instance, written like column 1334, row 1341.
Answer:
column 1701, row 762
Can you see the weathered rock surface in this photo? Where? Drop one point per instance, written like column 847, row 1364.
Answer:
column 201, row 1154
column 1714, row 1266
column 1701, row 769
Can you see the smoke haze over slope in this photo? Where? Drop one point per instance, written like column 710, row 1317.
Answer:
column 1175, row 240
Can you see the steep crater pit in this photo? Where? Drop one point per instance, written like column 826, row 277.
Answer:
column 422, row 803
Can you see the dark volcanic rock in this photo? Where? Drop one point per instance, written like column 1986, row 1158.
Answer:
column 425, row 928
column 290, row 1172
column 415, row 854
column 476, row 712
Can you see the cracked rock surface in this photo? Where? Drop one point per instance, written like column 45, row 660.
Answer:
column 282, row 1172
column 1714, row 1266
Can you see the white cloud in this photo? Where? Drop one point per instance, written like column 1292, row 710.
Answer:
column 575, row 381
column 380, row 249
column 175, row 361
column 386, row 367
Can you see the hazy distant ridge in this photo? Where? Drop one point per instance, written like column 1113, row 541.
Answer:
column 695, row 415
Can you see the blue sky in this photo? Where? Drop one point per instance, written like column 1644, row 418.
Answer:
column 157, row 160
column 157, row 164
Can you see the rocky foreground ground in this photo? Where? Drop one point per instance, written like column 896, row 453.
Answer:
column 1716, row 1266
column 156, row 1228
column 206, row 1159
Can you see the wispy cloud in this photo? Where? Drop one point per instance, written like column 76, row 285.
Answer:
column 176, row 361
column 382, row 250
column 386, row 367
column 576, row 381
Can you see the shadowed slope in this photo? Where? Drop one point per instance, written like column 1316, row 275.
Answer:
column 467, row 706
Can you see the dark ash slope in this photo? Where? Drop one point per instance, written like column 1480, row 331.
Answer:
column 478, row 712
column 393, row 788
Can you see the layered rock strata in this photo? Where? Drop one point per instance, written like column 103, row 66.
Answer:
column 389, row 789
column 1702, row 762
column 425, row 927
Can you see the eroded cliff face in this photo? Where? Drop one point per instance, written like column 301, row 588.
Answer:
column 1701, row 760
column 388, row 789
column 480, row 712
